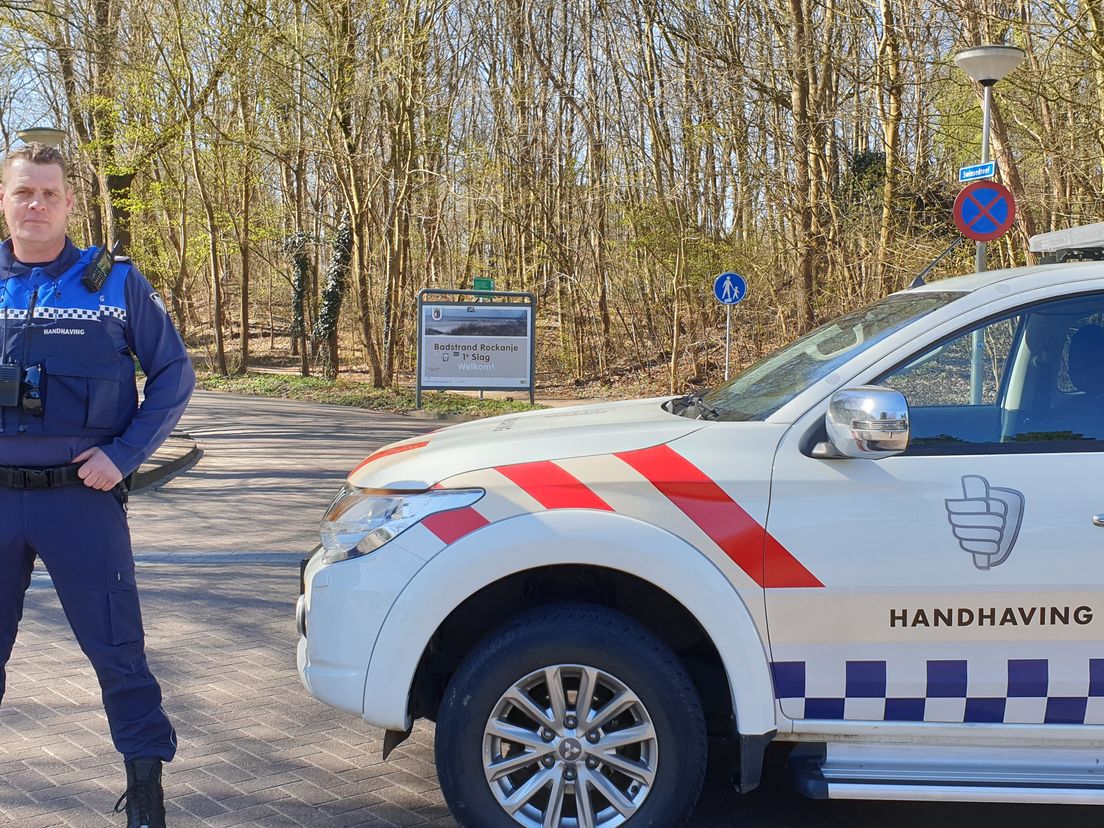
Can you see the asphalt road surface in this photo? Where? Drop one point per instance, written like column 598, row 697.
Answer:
column 218, row 550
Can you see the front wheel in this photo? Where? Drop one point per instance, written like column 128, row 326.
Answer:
column 571, row 716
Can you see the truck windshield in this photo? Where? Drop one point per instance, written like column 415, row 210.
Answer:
column 772, row 382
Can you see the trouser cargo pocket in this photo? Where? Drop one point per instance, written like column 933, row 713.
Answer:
column 125, row 614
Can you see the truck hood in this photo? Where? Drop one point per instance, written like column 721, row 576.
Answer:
column 605, row 428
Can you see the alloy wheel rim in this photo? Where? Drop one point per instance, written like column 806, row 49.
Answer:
column 570, row 746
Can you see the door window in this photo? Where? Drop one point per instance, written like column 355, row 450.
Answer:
column 1029, row 381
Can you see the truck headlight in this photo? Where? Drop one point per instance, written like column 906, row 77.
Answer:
column 360, row 521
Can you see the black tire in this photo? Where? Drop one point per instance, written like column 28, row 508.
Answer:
column 573, row 634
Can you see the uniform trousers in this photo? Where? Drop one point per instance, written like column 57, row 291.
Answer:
column 82, row 537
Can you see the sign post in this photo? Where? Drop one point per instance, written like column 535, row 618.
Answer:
column 983, row 211
column 729, row 288
column 482, row 340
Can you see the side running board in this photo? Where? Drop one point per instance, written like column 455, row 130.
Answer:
column 953, row 774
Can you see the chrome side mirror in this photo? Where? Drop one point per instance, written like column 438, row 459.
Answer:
column 869, row 422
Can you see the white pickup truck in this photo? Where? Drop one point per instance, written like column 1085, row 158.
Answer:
column 884, row 543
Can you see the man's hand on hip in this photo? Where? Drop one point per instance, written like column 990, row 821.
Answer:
column 98, row 472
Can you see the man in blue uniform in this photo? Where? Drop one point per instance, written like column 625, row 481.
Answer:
column 71, row 431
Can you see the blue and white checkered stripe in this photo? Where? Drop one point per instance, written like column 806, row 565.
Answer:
column 84, row 314
column 118, row 313
column 951, row 691
column 66, row 313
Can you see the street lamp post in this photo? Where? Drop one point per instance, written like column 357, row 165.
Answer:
column 49, row 136
column 987, row 65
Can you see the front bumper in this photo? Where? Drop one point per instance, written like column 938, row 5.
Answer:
column 340, row 611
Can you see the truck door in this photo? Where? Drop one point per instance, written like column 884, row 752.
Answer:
column 964, row 578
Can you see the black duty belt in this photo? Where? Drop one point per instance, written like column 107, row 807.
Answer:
column 51, row 477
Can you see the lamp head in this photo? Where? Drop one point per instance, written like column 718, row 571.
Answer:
column 988, row 64
column 42, row 135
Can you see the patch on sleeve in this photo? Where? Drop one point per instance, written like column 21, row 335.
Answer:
column 155, row 297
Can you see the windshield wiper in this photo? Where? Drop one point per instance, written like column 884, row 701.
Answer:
column 705, row 410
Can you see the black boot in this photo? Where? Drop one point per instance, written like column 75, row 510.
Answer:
column 144, row 799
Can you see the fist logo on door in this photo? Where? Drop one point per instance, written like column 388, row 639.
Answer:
column 985, row 520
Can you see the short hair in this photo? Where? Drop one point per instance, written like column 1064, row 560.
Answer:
column 36, row 153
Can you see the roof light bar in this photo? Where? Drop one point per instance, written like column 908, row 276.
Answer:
column 1072, row 238
column 1074, row 244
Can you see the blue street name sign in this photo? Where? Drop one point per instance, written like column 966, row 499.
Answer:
column 729, row 288
column 977, row 172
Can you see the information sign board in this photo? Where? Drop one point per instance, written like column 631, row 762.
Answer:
column 484, row 341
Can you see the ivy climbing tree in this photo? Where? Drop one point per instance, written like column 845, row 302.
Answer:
column 295, row 247
column 337, row 275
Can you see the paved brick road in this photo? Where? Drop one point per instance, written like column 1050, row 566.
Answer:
column 255, row 748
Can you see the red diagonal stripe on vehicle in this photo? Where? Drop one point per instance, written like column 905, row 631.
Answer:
column 452, row 525
column 736, row 532
column 387, row 452
column 783, row 569
column 553, row 487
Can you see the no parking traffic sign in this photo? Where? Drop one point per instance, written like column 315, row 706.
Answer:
column 984, row 211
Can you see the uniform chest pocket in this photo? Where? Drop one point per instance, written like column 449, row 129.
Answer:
column 82, row 393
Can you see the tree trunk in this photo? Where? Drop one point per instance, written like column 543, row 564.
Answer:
column 891, row 125
column 216, row 275
column 800, row 69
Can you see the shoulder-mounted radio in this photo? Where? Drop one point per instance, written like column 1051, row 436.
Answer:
column 100, row 268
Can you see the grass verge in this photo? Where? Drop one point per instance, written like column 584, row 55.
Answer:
column 357, row 394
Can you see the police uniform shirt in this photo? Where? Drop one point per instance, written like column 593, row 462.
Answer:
column 133, row 316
